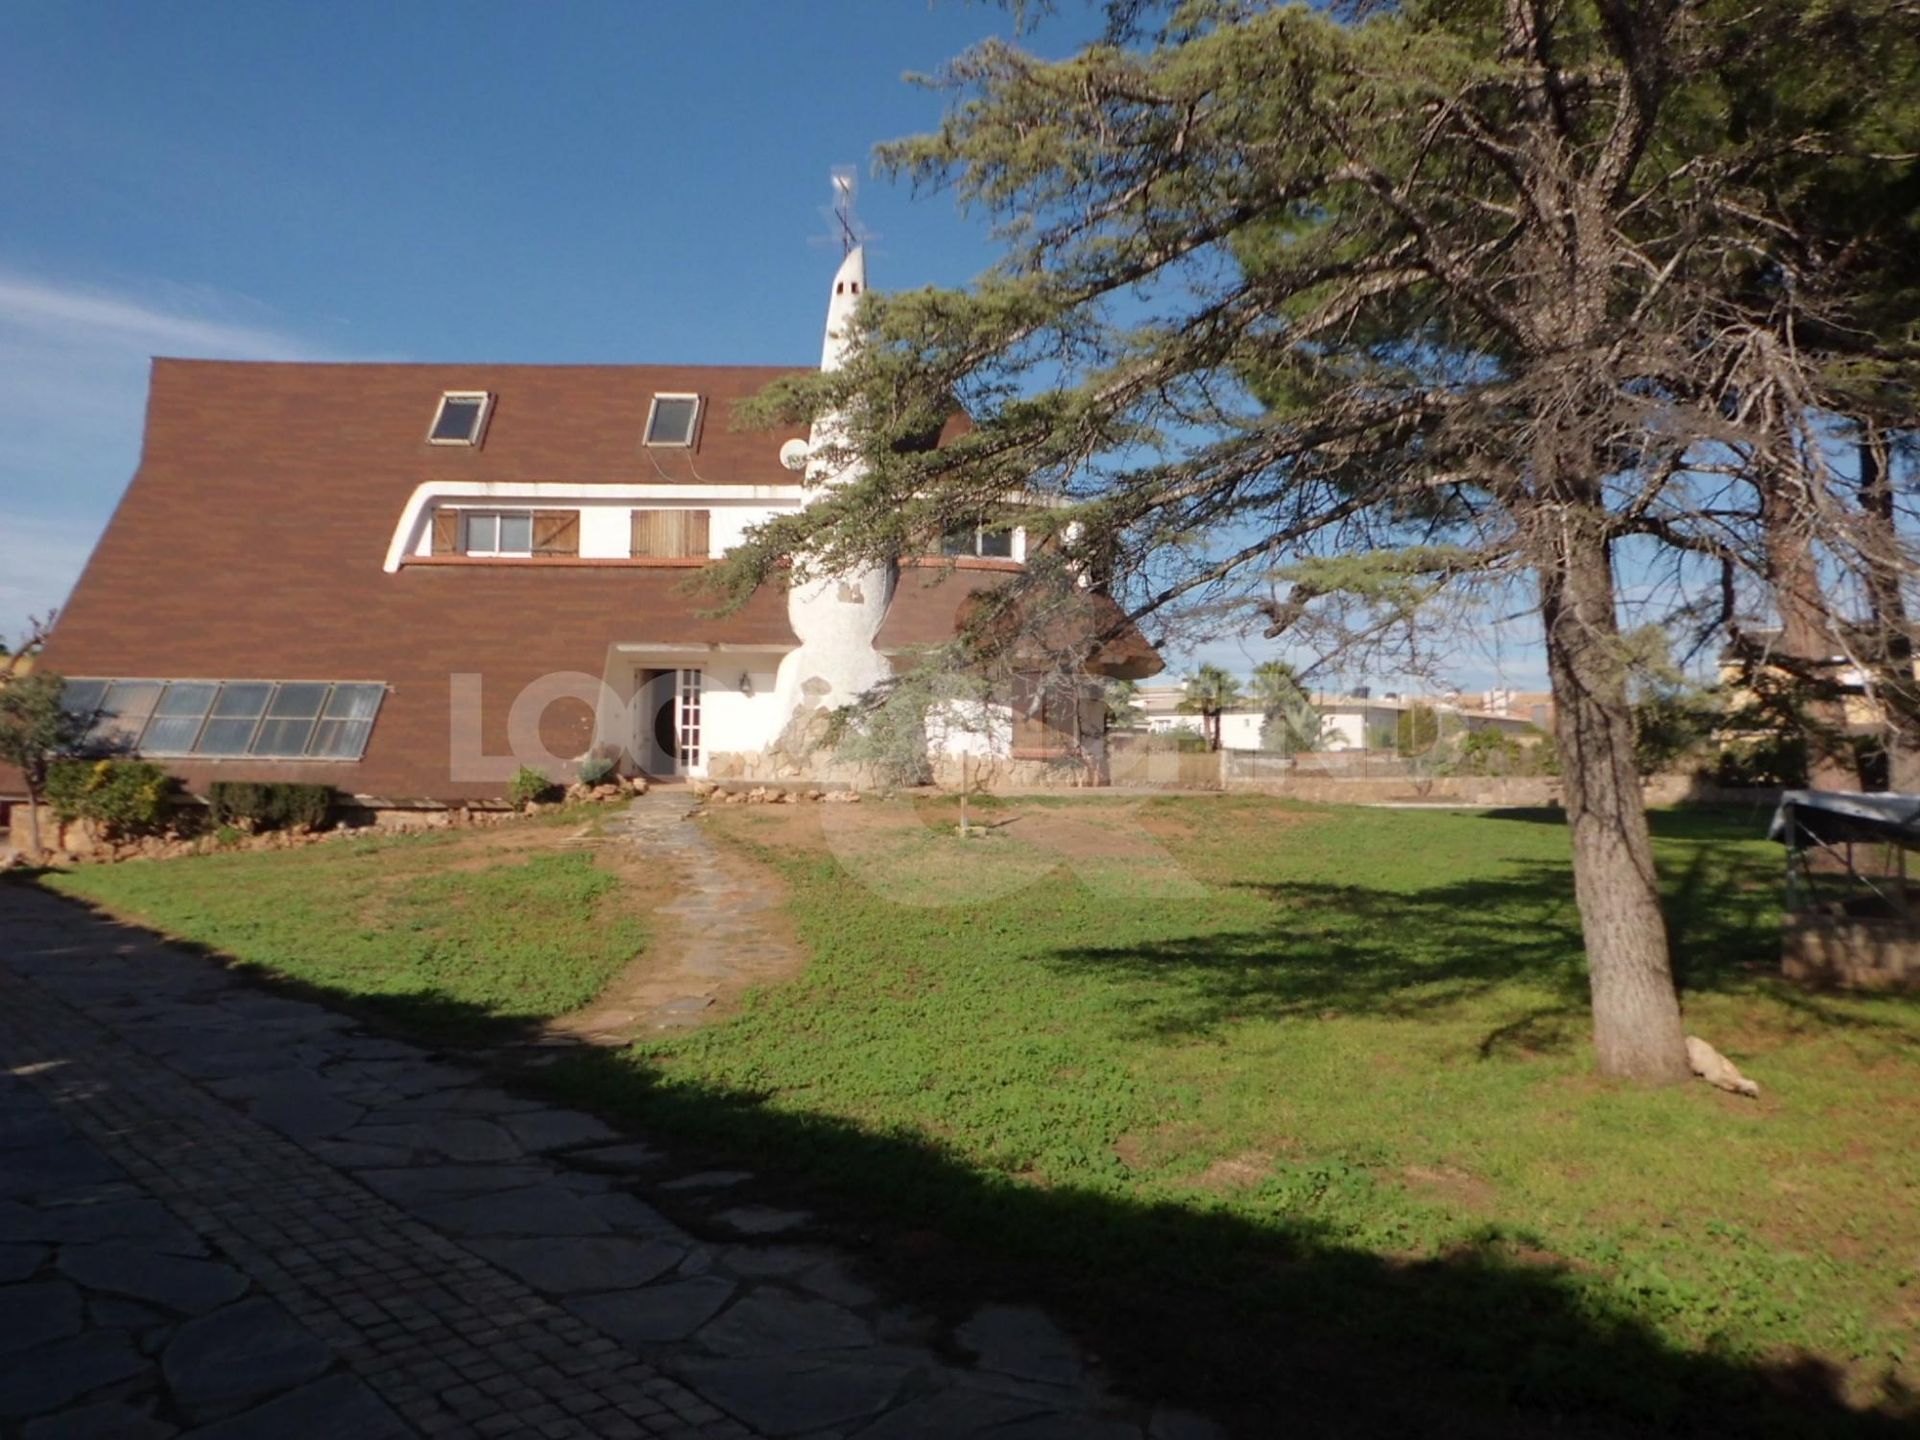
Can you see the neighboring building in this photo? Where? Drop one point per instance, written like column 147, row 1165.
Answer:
column 1846, row 677
column 1362, row 722
column 1352, row 722
column 407, row 580
column 1159, row 708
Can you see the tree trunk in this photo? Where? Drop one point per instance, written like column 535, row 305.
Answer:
column 1807, row 640
column 1885, row 563
column 1636, row 1012
column 33, row 824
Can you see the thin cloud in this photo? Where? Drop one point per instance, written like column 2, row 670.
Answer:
column 42, row 560
column 74, row 360
column 71, row 316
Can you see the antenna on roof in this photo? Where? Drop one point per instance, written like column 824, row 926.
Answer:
column 844, row 185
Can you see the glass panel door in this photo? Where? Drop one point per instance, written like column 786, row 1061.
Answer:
column 689, row 728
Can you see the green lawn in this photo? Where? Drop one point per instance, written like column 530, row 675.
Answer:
column 1289, row 1109
column 448, row 936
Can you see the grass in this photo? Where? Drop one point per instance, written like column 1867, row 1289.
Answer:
column 458, row 947
column 1290, row 1108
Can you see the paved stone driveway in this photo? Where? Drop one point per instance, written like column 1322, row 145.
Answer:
column 230, row 1214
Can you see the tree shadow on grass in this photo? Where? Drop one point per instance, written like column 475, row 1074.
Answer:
column 1373, row 949
column 1274, row 1325
column 427, row 1016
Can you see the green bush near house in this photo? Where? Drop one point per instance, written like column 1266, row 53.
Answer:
column 124, row 797
column 270, row 805
column 1766, row 761
column 528, row 785
column 595, row 770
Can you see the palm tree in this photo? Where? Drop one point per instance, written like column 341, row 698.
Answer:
column 1210, row 690
column 1289, row 720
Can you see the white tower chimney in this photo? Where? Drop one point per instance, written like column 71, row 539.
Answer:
column 837, row 619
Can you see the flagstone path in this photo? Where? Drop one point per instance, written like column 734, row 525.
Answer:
column 229, row 1214
column 720, row 933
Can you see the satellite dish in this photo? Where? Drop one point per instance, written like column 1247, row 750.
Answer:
column 793, row 454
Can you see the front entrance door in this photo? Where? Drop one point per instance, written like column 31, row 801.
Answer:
column 666, row 721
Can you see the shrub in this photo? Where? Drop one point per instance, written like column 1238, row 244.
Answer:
column 1417, row 731
column 1768, row 761
column 1488, row 752
column 1669, row 727
column 272, row 805
column 595, row 770
column 528, row 785
column 123, row 797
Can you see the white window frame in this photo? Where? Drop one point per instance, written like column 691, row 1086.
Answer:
column 467, row 515
column 688, row 731
column 693, row 429
column 472, row 442
column 1016, row 544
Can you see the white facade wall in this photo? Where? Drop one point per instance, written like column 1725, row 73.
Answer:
column 733, row 719
column 1240, row 729
column 606, row 529
column 1343, row 730
column 728, row 526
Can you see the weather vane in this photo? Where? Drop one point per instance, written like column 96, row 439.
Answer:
column 844, row 185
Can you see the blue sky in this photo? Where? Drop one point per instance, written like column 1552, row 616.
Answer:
column 478, row 181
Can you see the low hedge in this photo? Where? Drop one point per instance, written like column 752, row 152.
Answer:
column 270, row 805
column 123, row 797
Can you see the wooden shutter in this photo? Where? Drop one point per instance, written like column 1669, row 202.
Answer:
column 649, row 533
column 1046, row 716
column 446, row 532
column 670, row 534
column 556, row 532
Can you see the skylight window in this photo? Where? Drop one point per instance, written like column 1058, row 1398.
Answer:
column 290, row 719
column 235, row 715
column 123, row 714
column 346, row 722
column 461, row 418
column 263, row 719
column 673, row 420
column 178, row 717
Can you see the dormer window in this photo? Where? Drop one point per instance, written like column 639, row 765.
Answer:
column 673, row 420
column 461, row 418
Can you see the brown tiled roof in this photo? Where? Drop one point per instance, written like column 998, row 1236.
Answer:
column 250, row 545
column 570, row 423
